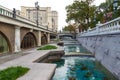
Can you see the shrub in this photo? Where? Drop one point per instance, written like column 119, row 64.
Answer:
column 12, row 73
column 48, row 47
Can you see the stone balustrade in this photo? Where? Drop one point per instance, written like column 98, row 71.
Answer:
column 5, row 11
column 111, row 27
column 9, row 13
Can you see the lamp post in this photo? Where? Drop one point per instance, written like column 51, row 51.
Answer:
column 37, row 8
column 115, row 5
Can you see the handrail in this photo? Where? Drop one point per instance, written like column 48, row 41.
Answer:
column 110, row 27
column 9, row 13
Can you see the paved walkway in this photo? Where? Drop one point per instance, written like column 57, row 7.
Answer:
column 12, row 56
column 38, row 71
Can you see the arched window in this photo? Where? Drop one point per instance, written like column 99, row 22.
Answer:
column 3, row 44
column 29, row 41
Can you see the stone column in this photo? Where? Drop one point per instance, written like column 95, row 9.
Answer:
column 17, row 39
column 48, row 38
column 39, row 38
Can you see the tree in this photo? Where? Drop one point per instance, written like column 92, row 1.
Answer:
column 70, row 28
column 81, row 12
column 109, row 12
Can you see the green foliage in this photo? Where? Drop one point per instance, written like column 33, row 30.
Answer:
column 12, row 73
column 103, row 5
column 107, row 9
column 48, row 47
column 69, row 28
column 87, row 15
column 81, row 12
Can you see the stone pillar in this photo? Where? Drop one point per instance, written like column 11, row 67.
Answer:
column 17, row 39
column 48, row 38
column 39, row 38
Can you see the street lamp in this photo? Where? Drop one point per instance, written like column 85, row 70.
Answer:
column 115, row 5
column 37, row 8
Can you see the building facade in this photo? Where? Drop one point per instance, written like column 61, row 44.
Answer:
column 18, row 33
column 44, row 15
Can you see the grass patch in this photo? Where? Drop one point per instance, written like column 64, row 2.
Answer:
column 48, row 47
column 12, row 73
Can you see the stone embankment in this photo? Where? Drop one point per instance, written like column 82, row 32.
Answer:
column 38, row 71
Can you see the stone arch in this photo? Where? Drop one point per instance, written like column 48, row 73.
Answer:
column 43, row 38
column 65, row 36
column 53, row 36
column 28, row 41
column 5, row 45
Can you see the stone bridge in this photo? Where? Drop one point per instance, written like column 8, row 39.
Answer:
column 18, row 33
column 104, row 42
column 66, row 34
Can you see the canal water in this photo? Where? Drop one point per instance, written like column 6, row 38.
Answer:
column 79, row 67
column 73, row 46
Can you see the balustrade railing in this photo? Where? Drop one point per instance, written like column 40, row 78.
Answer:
column 110, row 27
column 5, row 11
column 9, row 13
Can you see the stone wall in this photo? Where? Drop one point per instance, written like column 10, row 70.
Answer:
column 9, row 32
column 24, row 31
column 106, row 49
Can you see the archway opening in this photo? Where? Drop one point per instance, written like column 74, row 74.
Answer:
column 29, row 41
column 66, row 37
column 43, row 39
column 4, row 47
column 53, row 36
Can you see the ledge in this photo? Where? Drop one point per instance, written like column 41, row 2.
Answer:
column 38, row 71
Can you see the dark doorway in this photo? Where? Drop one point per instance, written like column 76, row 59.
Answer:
column 29, row 41
column 43, row 39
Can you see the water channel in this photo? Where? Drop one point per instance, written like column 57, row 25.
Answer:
column 79, row 67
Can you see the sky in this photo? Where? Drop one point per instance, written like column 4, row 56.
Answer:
column 57, row 5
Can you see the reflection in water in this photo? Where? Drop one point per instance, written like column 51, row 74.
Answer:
column 80, row 68
column 59, row 62
column 75, row 48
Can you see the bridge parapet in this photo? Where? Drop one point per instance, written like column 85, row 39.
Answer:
column 9, row 13
column 111, row 27
column 5, row 11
